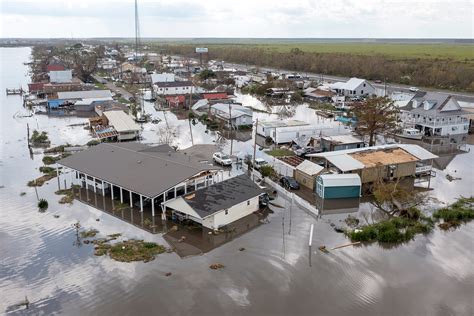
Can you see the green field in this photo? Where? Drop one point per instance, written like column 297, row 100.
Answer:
column 458, row 52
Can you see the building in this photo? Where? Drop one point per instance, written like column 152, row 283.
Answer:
column 138, row 174
column 282, row 132
column 354, row 87
column 102, row 107
column 306, row 172
column 338, row 186
column 319, row 95
column 219, row 204
column 163, row 77
column 85, row 100
column 125, row 126
column 435, row 114
column 236, row 114
column 376, row 163
column 340, row 142
column 55, row 67
column 173, row 88
column 60, row 76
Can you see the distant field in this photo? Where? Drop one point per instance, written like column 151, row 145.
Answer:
column 458, row 52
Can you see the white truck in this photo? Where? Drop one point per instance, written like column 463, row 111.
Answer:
column 222, row 159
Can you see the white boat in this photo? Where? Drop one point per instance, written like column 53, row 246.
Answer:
column 411, row 133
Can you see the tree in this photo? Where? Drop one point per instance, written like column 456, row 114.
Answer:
column 376, row 115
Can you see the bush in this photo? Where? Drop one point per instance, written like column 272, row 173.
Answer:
column 93, row 143
column 42, row 204
column 49, row 160
column 267, row 171
column 37, row 137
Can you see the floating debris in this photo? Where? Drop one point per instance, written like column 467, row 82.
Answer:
column 56, row 216
column 216, row 266
column 451, row 178
column 22, row 193
column 89, row 233
column 168, row 274
column 130, row 250
column 323, row 249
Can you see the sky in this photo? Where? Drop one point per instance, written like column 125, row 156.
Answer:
column 239, row 18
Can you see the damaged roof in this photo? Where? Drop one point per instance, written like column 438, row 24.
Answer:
column 222, row 195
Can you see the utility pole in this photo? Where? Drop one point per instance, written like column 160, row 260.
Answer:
column 137, row 31
column 255, row 144
column 230, row 127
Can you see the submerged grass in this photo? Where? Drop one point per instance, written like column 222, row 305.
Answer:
column 130, row 250
column 68, row 195
column 395, row 230
column 41, row 180
column 462, row 211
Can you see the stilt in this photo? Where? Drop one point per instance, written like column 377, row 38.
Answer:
column 121, row 195
column 153, row 207
column 112, row 191
column 141, row 203
column 57, row 174
column 95, row 185
column 131, row 201
column 103, row 188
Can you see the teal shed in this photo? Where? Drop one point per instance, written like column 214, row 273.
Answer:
column 338, row 186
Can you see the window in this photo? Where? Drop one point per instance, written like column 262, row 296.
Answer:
column 361, row 91
column 364, row 84
column 226, row 212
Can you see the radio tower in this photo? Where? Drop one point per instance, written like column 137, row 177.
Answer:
column 137, row 31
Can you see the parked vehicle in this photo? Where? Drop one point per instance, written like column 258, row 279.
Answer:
column 259, row 162
column 414, row 89
column 289, row 183
column 222, row 159
column 411, row 133
column 378, row 81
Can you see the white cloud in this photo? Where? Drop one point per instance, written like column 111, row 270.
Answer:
column 244, row 18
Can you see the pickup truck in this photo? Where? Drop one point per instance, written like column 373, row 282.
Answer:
column 222, row 159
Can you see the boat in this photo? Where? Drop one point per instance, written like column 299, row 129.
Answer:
column 411, row 133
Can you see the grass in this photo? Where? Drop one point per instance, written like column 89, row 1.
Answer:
column 130, row 250
column 458, row 52
column 395, row 230
column 280, row 152
column 41, row 180
column 455, row 214
column 89, row 233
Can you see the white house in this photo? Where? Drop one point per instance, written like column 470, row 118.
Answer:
column 60, row 76
column 282, row 132
column 435, row 114
column 220, row 204
column 238, row 114
column 354, row 87
column 123, row 124
column 173, row 88
column 163, row 77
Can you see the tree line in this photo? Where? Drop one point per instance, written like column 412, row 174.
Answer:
column 436, row 73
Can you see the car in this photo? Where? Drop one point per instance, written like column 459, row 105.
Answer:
column 289, row 183
column 259, row 162
column 378, row 81
column 413, row 89
column 222, row 159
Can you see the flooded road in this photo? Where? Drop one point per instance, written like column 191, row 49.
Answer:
column 42, row 259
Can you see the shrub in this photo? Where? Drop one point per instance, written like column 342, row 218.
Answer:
column 49, row 160
column 93, row 143
column 42, row 204
column 267, row 171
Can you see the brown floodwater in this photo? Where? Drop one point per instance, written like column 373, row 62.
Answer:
column 42, row 259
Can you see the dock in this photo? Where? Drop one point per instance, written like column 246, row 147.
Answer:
column 19, row 91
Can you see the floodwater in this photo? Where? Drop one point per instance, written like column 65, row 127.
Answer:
column 276, row 274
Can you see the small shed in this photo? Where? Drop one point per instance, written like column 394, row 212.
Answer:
column 306, row 173
column 340, row 142
column 338, row 186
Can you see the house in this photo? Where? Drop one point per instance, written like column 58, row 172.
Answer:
column 277, row 92
column 102, row 107
column 435, row 114
column 60, row 76
column 84, row 100
column 338, row 186
column 286, row 131
column 236, row 114
column 340, row 142
column 306, row 172
column 319, row 95
column 215, row 96
column 175, row 101
column 55, row 67
column 138, row 174
column 173, row 88
column 354, row 87
column 163, row 77
column 219, row 204
column 376, row 163
column 123, row 123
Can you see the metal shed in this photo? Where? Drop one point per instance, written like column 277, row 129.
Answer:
column 338, row 186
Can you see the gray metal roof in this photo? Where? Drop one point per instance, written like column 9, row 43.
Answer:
column 142, row 169
column 222, row 195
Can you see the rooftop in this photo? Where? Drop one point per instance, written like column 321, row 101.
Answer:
column 343, row 139
column 91, row 94
column 173, row 84
column 222, row 195
column 143, row 169
column 275, row 124
column 121, row 121
column 309, row 167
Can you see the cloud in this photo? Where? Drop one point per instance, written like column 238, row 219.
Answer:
column 245, row 18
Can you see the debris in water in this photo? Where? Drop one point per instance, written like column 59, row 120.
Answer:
column 183, row 238
column 323, row 249
column 216, row 266
column 351, row 221
column 97, row 219
column 89, row 233
column 130, row 250
column 22, row 193
column 168, row 274
column 56, row 216
column 346, row 245
column 241, row 249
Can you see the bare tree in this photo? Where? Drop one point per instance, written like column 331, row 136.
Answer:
column 167, row 135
